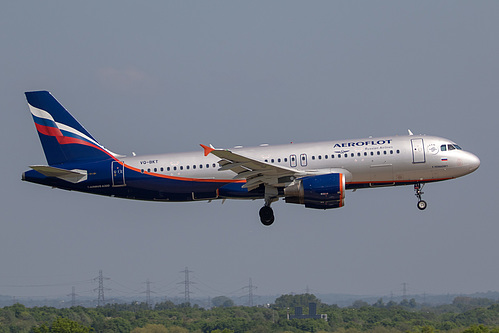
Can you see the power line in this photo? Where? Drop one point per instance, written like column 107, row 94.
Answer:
column 42, row 285
column 100, row 298
column 187, row 283
column 73, row 296
column 148, row 293
column 250, row 287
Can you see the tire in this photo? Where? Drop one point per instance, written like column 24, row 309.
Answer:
column 266, row 215
column 422, row 205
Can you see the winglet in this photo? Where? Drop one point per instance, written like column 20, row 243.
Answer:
column 207, row 150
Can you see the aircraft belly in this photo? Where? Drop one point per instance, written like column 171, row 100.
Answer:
column 148, row 187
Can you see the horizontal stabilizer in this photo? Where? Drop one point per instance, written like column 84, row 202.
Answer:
column 73, row 176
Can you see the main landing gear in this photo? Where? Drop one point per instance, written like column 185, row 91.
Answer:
column 266, row 213
column 418, row 189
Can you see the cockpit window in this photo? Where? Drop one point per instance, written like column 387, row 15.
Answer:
column 449, row 147
column 454, row 146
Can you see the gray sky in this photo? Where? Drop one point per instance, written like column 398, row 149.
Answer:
column 157, row 77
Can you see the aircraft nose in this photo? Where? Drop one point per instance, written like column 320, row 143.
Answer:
column 473, row 162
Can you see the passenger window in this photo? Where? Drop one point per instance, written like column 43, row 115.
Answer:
column 200, row 166
column 272, row 160
column 346, row 155
column 285, row 159
column 187, row 167
column 194, row 166
column 313, row 157
column 174, row 168
column 339, row 155
column 214, row 165
column 168, row 169
column 398, row 151
column 278, row 160
column 207, row 166
column 372, row 153
column 365, row 153
column 142, row 170
column 155, row 169
column 320, row 157
column 352, row 154
column 148, row 170
column 391, row 152
column 162, row 169
column 181, row 167
column 384, row 152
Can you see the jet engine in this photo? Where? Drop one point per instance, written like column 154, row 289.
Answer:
column 319, row 192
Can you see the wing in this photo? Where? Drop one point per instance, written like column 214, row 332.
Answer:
column 255, row 172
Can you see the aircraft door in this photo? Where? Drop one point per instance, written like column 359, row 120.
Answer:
column 418, row 154
column 303, row 160
column 118, row 173
column 292, row 161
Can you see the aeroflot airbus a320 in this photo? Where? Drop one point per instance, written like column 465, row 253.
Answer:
column 312, row 174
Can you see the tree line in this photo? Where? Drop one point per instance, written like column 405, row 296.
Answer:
column 465, row 314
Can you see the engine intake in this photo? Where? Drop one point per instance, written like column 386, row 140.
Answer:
column 319, row 192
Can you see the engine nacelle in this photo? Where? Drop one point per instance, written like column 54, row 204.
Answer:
column 320, row 192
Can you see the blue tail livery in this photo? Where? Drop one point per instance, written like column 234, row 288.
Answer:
column 315, row 175
column 63, row 138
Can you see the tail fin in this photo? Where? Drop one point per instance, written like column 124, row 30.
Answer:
column 63, row 138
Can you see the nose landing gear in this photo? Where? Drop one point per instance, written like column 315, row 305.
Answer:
column 418, row 189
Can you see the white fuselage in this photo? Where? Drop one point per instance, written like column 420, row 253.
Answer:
column 365, row 162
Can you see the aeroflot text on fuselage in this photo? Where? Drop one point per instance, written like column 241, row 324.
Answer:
column 362, row 143
column 305, row 174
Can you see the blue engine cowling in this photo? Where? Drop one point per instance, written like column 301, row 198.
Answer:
column 319, row 192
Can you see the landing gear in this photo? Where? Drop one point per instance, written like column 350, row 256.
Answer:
column 421, row 203
column 267, row 215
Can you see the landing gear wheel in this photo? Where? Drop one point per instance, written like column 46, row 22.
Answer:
column 418, row 188
column 266, row 215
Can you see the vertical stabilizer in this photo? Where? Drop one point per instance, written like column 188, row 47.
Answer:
column 63, row 138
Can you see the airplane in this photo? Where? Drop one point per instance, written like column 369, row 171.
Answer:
column 315, row 175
